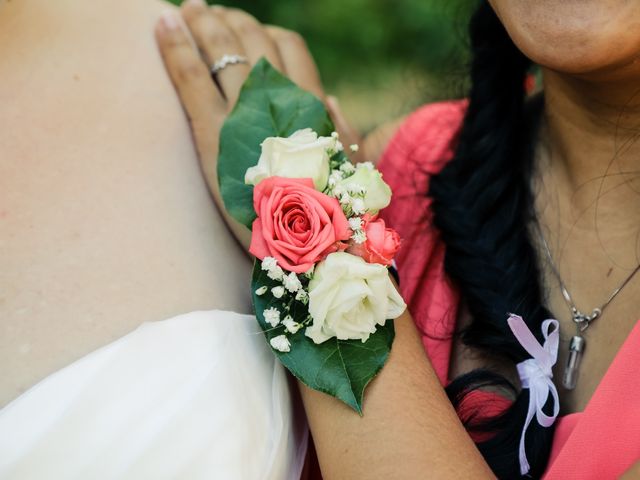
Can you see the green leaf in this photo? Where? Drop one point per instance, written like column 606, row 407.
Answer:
column 340, row 368
column 269, row 105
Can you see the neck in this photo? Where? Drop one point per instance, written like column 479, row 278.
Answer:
column 592, row 127
column 593, row 158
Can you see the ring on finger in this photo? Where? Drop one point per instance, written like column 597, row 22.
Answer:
column 226, row 60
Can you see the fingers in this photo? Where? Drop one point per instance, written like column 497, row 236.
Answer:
column 254, row 37
column 218, row 31
column 201, row 99
column 203, row 102
column 297, row 60
column 215, row 38
column 190, row 75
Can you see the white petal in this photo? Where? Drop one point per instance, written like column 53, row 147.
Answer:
column 262, row 290
column 280, row 343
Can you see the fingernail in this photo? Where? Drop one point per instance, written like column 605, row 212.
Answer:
column 199, row 3
column 170, row 20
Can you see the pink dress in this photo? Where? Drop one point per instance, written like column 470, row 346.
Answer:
column 420, row 148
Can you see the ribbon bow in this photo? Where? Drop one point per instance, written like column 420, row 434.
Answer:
column 535, row 374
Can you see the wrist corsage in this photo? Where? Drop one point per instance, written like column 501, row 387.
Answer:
column 321, row 289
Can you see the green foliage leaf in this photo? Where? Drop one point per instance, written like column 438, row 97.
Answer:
column 269, row 105
column 341, row 368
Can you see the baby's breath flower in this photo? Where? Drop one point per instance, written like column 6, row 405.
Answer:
column 275, row 273
column 280, row 343
column 261, row 291
column 338, row 191
column 368, row 165
column 277, row 292
column 291, row 282
column 345, row 199
column 302, row 296
column 347, row 168
column 269, row 263
column 358, row 207
column 336, row 175
column 359, row 236
column 356, row 189
column 272, row 316
column 290, row 324
column 355, row 223
column 354, row 148
column 339, row 146
column 335, row 135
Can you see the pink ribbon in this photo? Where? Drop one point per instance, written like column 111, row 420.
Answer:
column 535, row 374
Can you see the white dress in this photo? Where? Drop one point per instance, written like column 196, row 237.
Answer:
column 198, row 396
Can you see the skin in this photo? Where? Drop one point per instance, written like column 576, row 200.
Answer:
column 105, row 219
column 405, row 407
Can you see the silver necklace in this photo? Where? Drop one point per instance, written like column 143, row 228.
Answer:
column 577, row 343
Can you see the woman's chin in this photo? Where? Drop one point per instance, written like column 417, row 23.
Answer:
column 586, row 37
column 608, row 65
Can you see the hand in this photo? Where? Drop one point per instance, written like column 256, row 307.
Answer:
column 217, row 31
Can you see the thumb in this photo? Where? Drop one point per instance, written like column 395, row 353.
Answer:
column 348, row 135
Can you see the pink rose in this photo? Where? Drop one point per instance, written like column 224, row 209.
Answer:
column 381, row 245
column 296, row 224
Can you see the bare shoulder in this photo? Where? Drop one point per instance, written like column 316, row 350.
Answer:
column 106, row 221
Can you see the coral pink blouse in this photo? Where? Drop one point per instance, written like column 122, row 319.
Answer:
column 420, row 148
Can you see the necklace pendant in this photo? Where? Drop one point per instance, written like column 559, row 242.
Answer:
column 576, row 349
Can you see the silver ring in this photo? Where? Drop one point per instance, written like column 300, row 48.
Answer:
column 227, row 60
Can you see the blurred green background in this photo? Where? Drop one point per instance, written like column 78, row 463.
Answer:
column 381, row 58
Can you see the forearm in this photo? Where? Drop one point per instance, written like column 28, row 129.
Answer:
column 409, row 428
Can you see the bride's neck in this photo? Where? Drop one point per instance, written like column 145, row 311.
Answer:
column 590, row 133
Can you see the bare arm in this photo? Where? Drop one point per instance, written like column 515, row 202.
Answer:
column 409, row 429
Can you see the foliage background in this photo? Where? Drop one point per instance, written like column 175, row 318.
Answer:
column 381, row 58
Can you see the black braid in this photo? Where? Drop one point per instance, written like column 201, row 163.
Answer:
column 482, row 206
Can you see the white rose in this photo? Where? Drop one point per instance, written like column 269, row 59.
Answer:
column 349, row 297
column 302, row 155
column 378, row 193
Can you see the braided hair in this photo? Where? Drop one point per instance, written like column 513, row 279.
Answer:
column 482, row 204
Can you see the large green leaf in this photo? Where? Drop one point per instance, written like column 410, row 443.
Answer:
column 341, row 368
column 269, row 105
